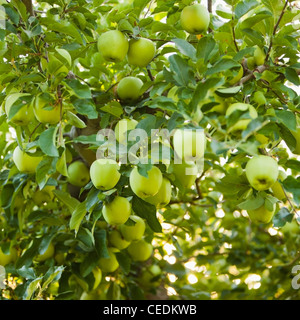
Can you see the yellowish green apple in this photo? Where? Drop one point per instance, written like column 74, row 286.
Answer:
column 259, row 56
column 242, row 124
column 117, row 211
column 117, row 240
column 163, row 196
column 141, row 52
column 262, row 172
column 6, row 259
column 122, row 127
column 78, row 174
column 145, row 187
column 140, row 250
column 105, row 173
column 195, row 19
column 185, row 173
column 25, row 162
column 48, row 254
column 43, row 196
column 149, row 277
column 25, row 115
column 110, row 264
column 46, row 112
column 129, row 88
column 277, row 188
column 113, row 45
column 261, row 215
column 189, row 144
column 133, row 232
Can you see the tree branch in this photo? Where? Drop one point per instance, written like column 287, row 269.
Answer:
column 29, row 7
column 275, row 29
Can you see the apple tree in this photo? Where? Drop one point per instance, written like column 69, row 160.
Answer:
column 74, row 225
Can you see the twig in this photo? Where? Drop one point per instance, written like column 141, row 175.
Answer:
column 150, row 75
column 34, row 130
column 275, row 29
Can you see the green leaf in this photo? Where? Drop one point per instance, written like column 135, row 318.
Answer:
column 114, row 108
column 183, row 73
column 148, row 212
column 185, row 48
column 101, row 243
column 85, row 107
column 74, row 120
column 124, row 261
column 65, row 55
column 252, row 203
column 79, row 89
column 67, row 199
column 291, row 184
column 223, row 65
column 206, row 48
column 243, row 7
column 47, row 141
column 292, row 75
column 228, row 92
column 77, row 216
column 287, row 118
column 282, row 217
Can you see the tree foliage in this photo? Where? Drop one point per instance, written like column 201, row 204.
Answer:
column 203, row 241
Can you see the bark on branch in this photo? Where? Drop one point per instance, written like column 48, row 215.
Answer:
column 29, row 7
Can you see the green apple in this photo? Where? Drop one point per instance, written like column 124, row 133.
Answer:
column 110, row 264
column 122, row 127
column 140, row 250
column 113, row 45
column 262, row 172
column 129, row 89
column 251, row 63
column 133, row 232
column 149, row 276
column 145, row 187
column 189, row 144
column 163, row 196
column 277, row 188
column 117, row 211
column 6, row 259
column 259, row 56
column 60, row 258
column 78, row 174
column 45, row 112
column 261, row 215
column 105, row 173
column 97, row 273
column 259, row 98
column 195, row 19
column 117, row 240
column 242, row 124
column 141, row 52
column 297, row 137
column 48, row 254
column 25, row 115
column 43, row 196
column 185, row 173
column 25, row 162
column 238, row 77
